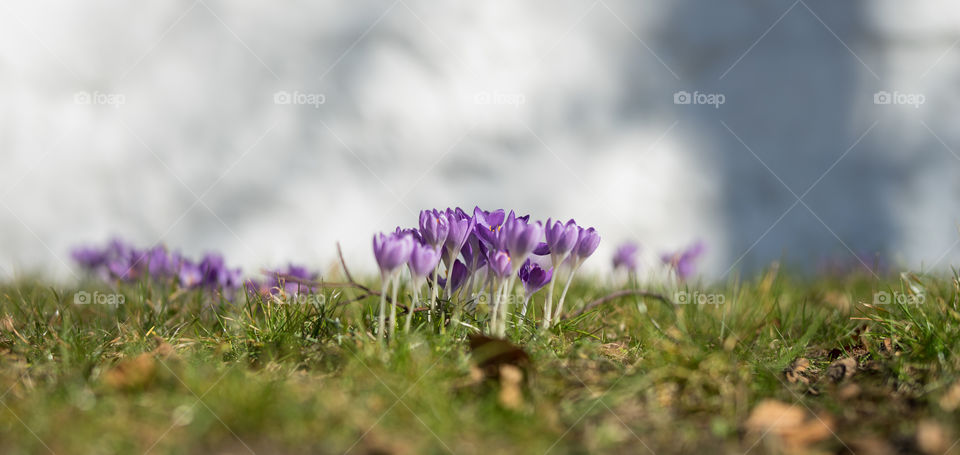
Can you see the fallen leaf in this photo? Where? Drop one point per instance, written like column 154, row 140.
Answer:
column 842, row 369
column 849, row 391
column 932, row 438
column 950, row 401
column 789, row 423
column 132, row 373
column 615, row 351
column 872, row 446
column 798, row 371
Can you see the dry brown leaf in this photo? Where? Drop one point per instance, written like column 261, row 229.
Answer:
column 932, row 438
column 798, row 371
column 950, row 401
column 789, row 423
column 6, row 323
column 132, row 373
column 615, row 351
column 842, row 369
column 164, row 350
column 872, row 446
column 886, row 346
column 849, row 391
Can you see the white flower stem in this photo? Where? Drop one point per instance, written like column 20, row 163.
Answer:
column 496, row 308
column 393, row 306
column 548, row 304
column 383, row 308
column 563, row 295
column 433, row 293
column 413, row 304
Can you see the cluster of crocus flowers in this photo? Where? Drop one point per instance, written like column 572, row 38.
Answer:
column 290, row 281
column 118, row 260
column 682, row 263
column 466, row 258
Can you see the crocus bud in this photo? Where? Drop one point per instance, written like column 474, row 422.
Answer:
column 433, row 227
column 423, row 260
column 392, row 251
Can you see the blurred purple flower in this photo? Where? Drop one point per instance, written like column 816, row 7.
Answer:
column 190, row 275
column 89, row 257
column 684, row 263
column 392, row 251
column 291, row 280
column 216, row 275
column 626, row 256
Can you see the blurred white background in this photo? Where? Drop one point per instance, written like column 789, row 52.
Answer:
column 272, row 131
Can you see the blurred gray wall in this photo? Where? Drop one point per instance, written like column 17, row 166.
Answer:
column 270, row 132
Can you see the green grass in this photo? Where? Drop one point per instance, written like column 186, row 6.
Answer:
column 174, row 372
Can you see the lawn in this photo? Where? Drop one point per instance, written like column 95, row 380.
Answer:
column 775, row 363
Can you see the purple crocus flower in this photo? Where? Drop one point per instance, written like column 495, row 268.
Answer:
column 474, row 257
column 392, row 251
column 127, row 267
column 457, row 277
column 290, row 279
column 534, row 277
column 684, row 263
column 89, row 258
column 587, row 242
column 626, row 256
column 190, row 274
column 499, row 262
column 433, row 227
column 216, row 274
column 460, row 226
column 161, row 264
column 520, row 238
column 423, row 260
column 488, row 226
column 561, row 239
column 255, row 287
